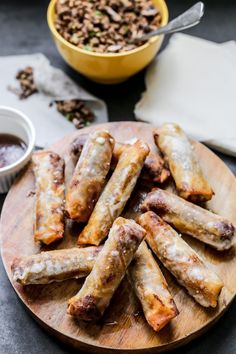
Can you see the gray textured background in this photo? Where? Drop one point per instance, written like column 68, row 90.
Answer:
column 23, row 29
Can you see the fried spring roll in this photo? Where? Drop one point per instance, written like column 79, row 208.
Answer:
column 89, row 175
column 153, row 169
column 184, row 166
column 108, row 270
column 181, row 260
column 58, row 265
column 115, row 195
column 50, row 193
column 72, row 158
column 191, row 219
column 145, row 276
column 151, row 288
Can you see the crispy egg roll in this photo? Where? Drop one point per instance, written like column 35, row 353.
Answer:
column 144, row 274
column 50, row 194
column 190, row 181
column 151, row 288
column 72, row 157
column 89, row 175
column 191, row 219
column 115, row 194
column 108, row 271
column 154, row 168
column 57, row 265
column 181, row 260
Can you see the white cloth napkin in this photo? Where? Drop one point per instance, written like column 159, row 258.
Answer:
column 53, row 84
column 193, row 83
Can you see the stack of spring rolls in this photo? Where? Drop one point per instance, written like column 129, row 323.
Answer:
column 79, row 189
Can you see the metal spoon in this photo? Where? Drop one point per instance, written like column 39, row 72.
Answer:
column 188, row 19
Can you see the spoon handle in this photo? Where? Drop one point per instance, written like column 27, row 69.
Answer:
column 188, row 19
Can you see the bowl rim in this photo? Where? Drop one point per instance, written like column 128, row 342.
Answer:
column 50, row 14
column 30, row 146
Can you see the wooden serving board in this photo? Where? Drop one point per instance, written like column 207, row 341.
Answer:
column 123, row 327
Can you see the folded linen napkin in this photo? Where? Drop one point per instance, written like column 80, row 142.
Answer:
column 192, row 82
column 52, row 84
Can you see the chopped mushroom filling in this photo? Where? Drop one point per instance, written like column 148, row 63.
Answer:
column 105, row 25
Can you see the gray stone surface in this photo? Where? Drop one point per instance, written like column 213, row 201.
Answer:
column 23, row 29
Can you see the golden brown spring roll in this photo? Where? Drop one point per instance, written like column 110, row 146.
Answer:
column 191, row 219
column 151, row 288
column 184, row 166
column 50, row 194
column 144, row 273
column 72, row 157
column 154, row 168
column 58, row 265
column 115, row 195
column 181, row 260
column 108, row 271
column 89, row 175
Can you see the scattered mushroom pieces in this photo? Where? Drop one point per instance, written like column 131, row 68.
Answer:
column 76, row 112
column 27, row 85
column 105, row 25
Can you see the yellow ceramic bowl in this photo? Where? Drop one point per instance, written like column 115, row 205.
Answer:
column 107, row 68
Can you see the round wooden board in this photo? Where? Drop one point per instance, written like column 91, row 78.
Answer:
column 123, row 327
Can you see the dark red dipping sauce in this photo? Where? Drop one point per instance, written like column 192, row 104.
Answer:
column 12, row 149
